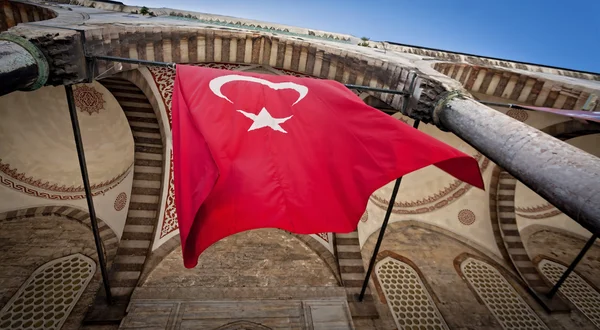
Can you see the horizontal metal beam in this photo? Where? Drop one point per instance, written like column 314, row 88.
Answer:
column 172, row 65
column 567, row 177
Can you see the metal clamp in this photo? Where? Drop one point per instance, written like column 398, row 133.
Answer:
column 445, row 97
column 36, row 54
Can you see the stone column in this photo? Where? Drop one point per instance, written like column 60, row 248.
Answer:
column 565, row 176
column 22, row 65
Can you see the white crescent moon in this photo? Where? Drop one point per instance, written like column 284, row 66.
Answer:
column 216, row 84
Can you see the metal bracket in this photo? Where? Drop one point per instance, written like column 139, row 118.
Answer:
column 36, row 53
column 445, row 97
column 409, row 94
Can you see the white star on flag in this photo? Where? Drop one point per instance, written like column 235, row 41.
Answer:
column 264, row 119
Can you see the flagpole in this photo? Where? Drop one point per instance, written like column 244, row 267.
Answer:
column 386, row 219
column 88, row 191
column 390, row 207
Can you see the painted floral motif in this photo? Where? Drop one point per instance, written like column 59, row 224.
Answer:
column 44, row 189
column 120, row 201
column 530, row 211
column 165, row 77
column 170, row 220
column 440, row 199
column 540, row 216
column 88, row 99
column 466, row 217
column 535, row 209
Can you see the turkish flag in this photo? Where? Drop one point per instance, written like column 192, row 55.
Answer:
column 300, row 154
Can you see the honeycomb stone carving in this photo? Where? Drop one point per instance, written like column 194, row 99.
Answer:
column 511, row 311
column 46, row 299
column 408, row 299
column 575, row 288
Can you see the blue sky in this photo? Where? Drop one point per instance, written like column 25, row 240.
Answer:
column 551, row 32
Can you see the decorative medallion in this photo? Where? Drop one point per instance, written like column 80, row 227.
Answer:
column 120, row 201
column 88, row 99
column 520, row 115
column 466, row 217
column 365, row 216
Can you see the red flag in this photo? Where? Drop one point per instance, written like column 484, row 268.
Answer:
column 304, row 155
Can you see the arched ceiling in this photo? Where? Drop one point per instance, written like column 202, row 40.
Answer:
column 37, row 153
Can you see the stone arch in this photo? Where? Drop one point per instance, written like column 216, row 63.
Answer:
column 107, row 235
column 199, row 45
column 503, row 212
column 173, row 243
column 519, row 86
column 143, row 114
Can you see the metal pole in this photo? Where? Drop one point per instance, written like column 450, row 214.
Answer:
column 172, row 65
column 373, row 89
column 498, row 104
column 88, row 190
column 572, row 266
column 380, row 238
column 386, row 219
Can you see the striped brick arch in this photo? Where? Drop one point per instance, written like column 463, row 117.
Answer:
column 516, row 86
column 200, row 45
column 107, row 235
column 503, row 213
column 140, row 107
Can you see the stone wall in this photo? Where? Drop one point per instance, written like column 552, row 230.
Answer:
column 26, row 244
column 257, row 258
